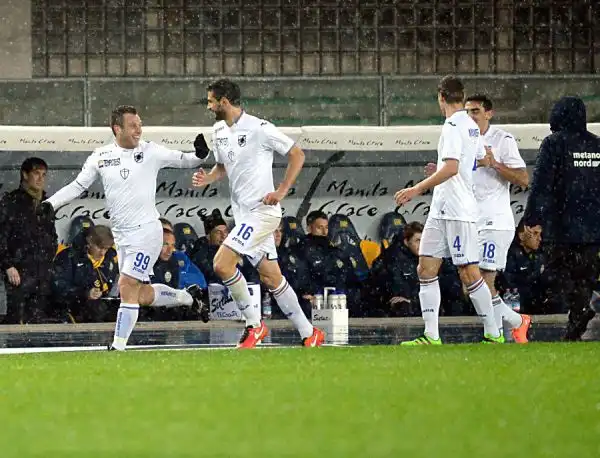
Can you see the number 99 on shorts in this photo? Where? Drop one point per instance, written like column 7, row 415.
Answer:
column 140, row 264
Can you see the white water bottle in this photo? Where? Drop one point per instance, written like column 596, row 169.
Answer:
column 266, row 306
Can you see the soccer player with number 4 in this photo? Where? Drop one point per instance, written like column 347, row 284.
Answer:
column 450, row 230
column 243, row 146
column 128, row 169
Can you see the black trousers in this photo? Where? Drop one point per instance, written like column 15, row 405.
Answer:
column 26, row 306
column 574, row 270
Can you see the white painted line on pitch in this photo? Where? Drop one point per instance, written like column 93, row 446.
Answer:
column 173, row 347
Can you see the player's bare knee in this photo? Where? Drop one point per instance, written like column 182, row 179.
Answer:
column 428, row 267
column 146, row 294
column 490, row 277
column 270, row 274
column 129, row 289
column 469, row 274
column 225, row 264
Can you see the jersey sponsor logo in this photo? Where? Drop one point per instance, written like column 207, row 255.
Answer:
column 242, row 140
column 219, row 129
column 222, row 142
column 124, row 173
column 138, row 157
column 474, row 133
column 451, row 123
column 109, row 162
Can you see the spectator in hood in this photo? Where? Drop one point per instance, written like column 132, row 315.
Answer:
column 565, row 198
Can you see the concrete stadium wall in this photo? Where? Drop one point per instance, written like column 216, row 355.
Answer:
column 285, row 101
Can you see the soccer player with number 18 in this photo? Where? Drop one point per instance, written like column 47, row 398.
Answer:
column 450, row 230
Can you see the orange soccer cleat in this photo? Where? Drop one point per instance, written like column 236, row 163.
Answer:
column 316, row 340
column 253, row 336
column 519, row 334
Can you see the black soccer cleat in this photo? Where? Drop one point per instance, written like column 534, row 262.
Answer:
column 199, row 304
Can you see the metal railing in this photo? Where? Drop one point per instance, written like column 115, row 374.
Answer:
column 313, row 37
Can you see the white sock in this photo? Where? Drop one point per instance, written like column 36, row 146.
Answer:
column 238, row 287
column 165, row 296
column 126, row 318
column 498, row 312
column 506, row 313
column 287, row 300
column 482, row 300
column 430, row 298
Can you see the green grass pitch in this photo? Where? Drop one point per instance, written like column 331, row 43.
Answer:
column 484, row 401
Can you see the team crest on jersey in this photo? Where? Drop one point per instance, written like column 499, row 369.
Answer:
column 242, row 140
column 138, row 157
column 124, row 173
column 231, row 155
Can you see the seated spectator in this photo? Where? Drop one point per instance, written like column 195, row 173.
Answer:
column 395, row 283
column 168, row 270
column 83, row 277
column 294, row 267
column 189, row 273
column 204, row 250
column 327, row 264
column 525, row 273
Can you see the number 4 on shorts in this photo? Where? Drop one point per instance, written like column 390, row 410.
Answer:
column 456, row 243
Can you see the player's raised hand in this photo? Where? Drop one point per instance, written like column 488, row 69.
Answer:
column 430, row 169
column 405, row 195
column 273, row 198
column 200, row 178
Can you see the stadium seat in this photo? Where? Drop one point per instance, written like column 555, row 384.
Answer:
column 77, row 232
column 391, row 225
column 185, row 236
column 292, row 232
column 343, row 235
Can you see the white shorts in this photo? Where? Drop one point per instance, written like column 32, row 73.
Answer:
column 252, row 236
column 138, row 250
column 445, row 238
column 493, row 248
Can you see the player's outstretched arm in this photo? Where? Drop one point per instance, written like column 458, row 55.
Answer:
column 448, row 169
column 201, row 178
column 295, row 162
column 174, row 158
column 73, row 190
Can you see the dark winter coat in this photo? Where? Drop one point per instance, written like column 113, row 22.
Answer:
column 565, row 190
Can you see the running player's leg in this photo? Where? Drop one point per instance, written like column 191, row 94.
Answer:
column 462, row 241
column 431, row 251
column 282, row 291
column 247, row 233
column 493, row 249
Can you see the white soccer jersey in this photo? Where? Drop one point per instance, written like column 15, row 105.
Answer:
column 129, row 180
column 491, row 190
column 454, row 199
column 246, row 150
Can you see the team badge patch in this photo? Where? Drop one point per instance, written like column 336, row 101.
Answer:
column 138, row 157
column 124, row 173
column 242, row 140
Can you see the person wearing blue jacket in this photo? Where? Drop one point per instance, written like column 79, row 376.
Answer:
column 83, row 276
column 565, row 199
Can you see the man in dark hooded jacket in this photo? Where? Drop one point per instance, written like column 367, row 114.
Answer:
column 565, row 198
